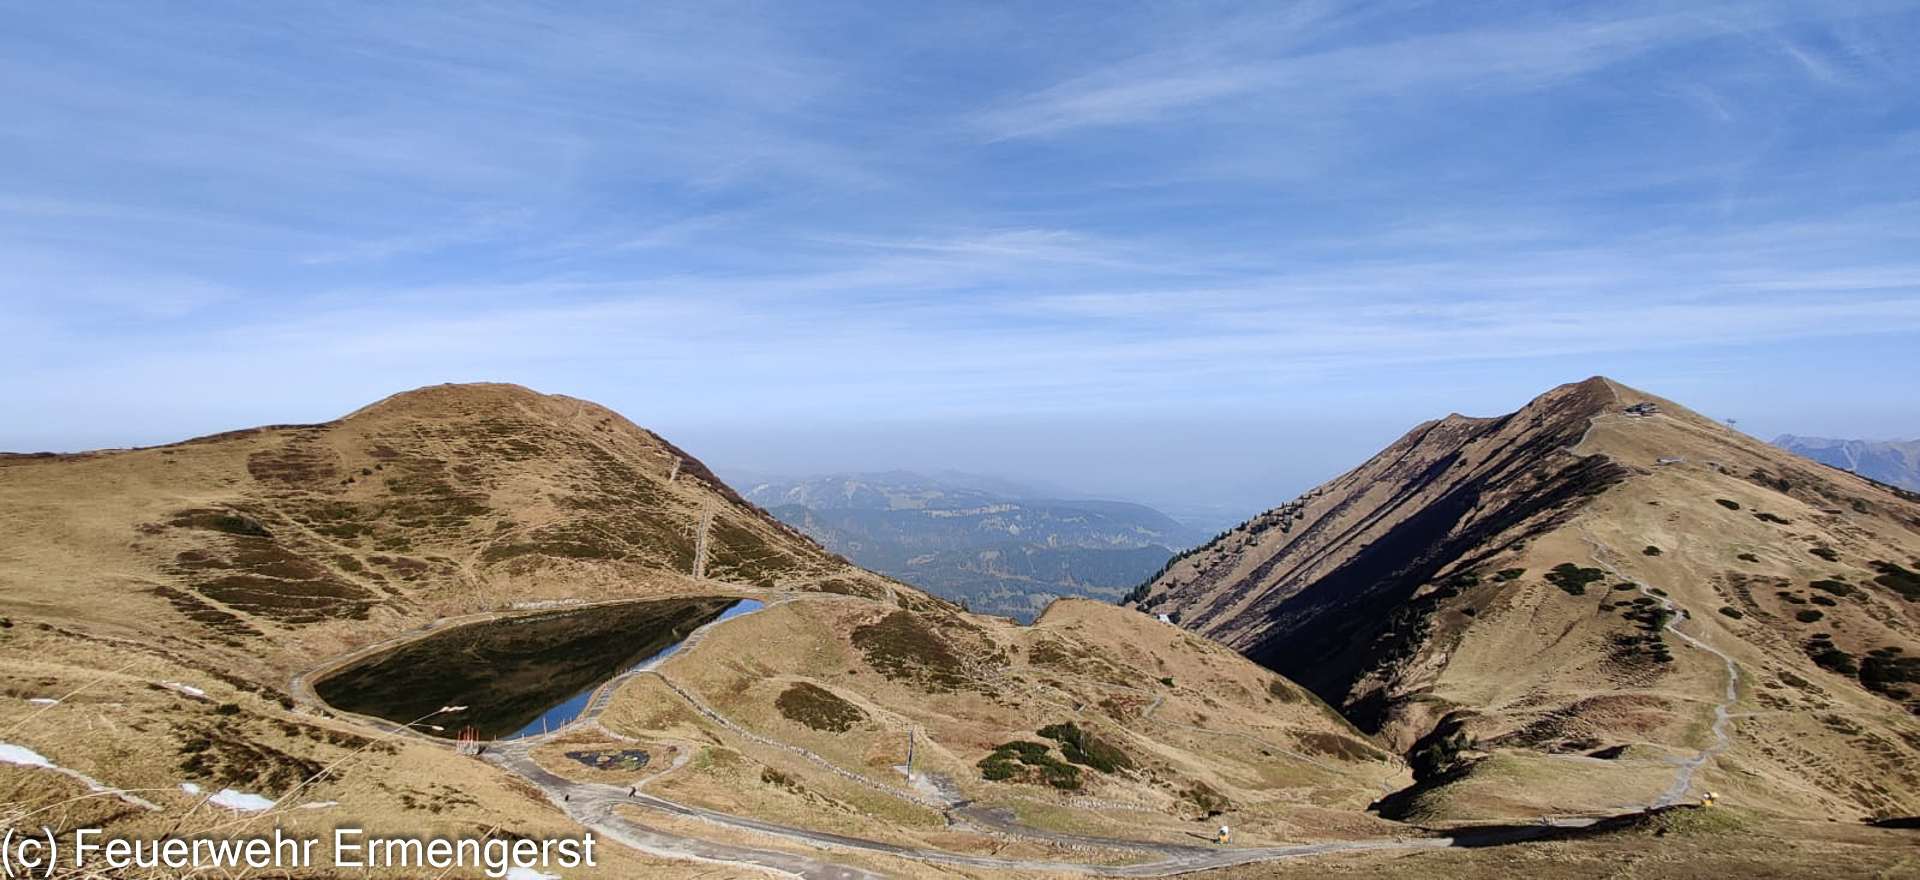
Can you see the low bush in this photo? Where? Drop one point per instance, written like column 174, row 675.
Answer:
column 1084, row 748
column 1822, row 651
column 1572, row 578
column 1027, row 761
column 818, row 708
column 900, row 646
column 1897, row 579
column 1836, row 587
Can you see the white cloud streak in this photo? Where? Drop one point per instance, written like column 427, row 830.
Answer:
column 755, row 211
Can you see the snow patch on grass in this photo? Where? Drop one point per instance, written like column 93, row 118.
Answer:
column 25, row 757
column 240, row 801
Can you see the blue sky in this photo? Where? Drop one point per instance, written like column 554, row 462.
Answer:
column 1179, row 251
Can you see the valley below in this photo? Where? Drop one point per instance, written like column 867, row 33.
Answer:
column 992, row 545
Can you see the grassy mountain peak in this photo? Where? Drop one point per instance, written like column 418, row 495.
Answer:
column 1493, row 596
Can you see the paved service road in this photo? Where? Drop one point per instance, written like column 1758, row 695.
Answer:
column 596, row 806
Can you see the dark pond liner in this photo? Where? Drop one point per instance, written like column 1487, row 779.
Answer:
column 510, row 673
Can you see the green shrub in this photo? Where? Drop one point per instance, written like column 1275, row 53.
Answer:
column 1083, row 747
column 774, row 777
column 1023, row 761
column 818, row 708
column 1438, row 754
column 1650, row 551
column 1897, row 579
column 1836, row 587
column 900, row 646
column 1731, row 611
column 1809, row 615
column 1572, row 578
column 997, row 768
column 1727, row 503
column 1883, row 669
column 1822, row 651
column 216, row 521
column 1209, row 801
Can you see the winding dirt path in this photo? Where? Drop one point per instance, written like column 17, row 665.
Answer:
column 1722, row 712
column 596, row 806
column 604, row 809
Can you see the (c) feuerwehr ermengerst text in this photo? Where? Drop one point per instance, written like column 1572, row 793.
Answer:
column 37, row 853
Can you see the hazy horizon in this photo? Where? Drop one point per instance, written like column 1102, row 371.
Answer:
column 1206, row 470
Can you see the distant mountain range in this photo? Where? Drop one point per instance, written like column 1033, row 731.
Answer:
column 1891, row 461
column 982, row 540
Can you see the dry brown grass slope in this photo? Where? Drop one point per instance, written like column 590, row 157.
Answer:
column 228, row 562
column 1196, row 733
column 279, row 544
column 165, row 595
column 1490, row 595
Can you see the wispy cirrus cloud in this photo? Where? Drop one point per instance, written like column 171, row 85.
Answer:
column 707, row 211
column 1233, row 79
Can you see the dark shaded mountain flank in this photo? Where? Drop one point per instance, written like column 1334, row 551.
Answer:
column 1329, row 635
column 1316, row 603
column 1601, row 573
column 1326, row 635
